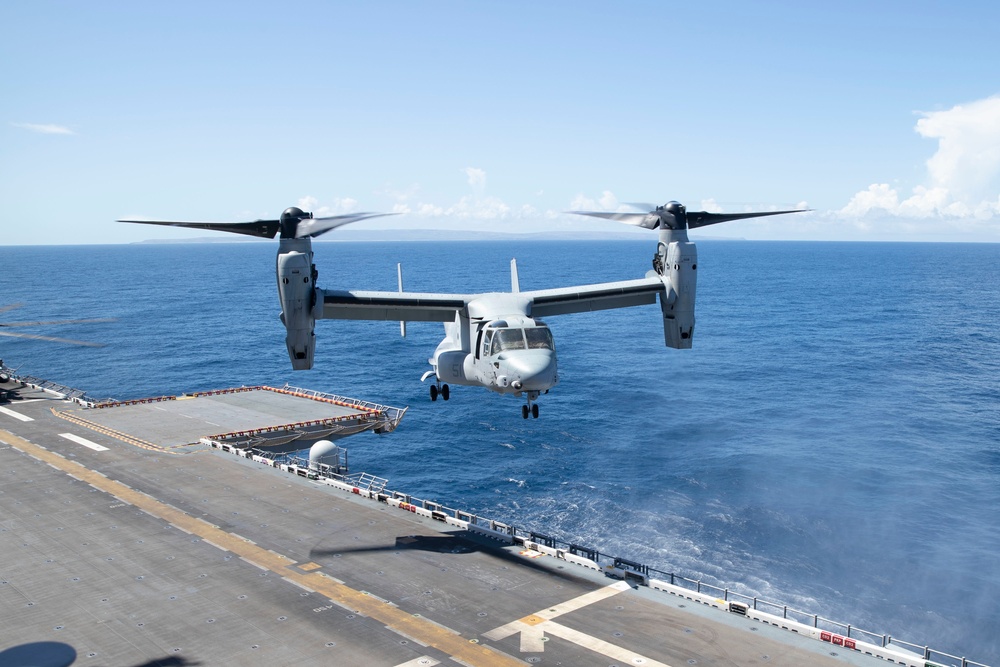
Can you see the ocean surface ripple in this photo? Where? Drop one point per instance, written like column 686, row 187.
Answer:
column 832, row 441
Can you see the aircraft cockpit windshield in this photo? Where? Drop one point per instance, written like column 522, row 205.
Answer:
column 539, row 338
column 534, row 338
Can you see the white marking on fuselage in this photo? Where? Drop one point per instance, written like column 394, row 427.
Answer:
column 16, row 415
column 83, row 441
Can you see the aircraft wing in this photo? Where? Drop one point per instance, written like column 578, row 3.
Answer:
column 401, row 306
column 585, row 298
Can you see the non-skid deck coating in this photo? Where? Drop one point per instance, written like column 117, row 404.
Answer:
column 190, row 418
column 129, row 556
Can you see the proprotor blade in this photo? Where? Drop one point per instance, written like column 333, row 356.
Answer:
column 12, row 306
column 313, row 227
column 636, row 219
column 267, row 229
column 703, row 218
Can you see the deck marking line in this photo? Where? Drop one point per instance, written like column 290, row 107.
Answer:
column 83, row 441
column 599, row 645
column 247, row 560
column 437, row 636
column 537, row 618
column 422, row 661
column 295, row 583
column 533, row 639
column 583, row 600
column 16, row 415
column 534, row 627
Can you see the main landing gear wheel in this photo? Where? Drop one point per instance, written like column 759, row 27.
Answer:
column 533, row 409
column 524, row 411
column 443, row 391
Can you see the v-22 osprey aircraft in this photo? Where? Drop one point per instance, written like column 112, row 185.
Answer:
column 494, row 340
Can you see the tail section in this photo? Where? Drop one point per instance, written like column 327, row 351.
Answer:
column 515, row 285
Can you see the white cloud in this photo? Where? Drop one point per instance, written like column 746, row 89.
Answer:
column 710, row 206
column 429, row 210
column 479, row 208
column 476, row 177
column 44, row 128
column 963, row 176
column 606, row 202
column 340, row 206
column 399, row 195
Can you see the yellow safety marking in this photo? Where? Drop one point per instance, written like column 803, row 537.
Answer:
column 532, row 620
column 309, row 567
column 118, row 435
column 428, row 632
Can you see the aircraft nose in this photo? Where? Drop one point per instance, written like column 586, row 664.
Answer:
column 535, row 370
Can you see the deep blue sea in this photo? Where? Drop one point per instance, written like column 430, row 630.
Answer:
column 831, row 442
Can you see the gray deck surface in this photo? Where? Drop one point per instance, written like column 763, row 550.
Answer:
column 186, row 420
column 164, row 573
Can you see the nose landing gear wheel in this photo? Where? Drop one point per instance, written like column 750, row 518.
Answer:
column 445, row 393
column 534, row 411
column 524, row 411
column 434, row 392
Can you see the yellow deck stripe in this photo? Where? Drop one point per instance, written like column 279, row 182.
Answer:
column 428, row 632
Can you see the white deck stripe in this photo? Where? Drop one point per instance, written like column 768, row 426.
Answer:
column 533, row 633
column 16, row 415
column 599, row 645
column 582, row 601
column 422, row 661
column 83, row 441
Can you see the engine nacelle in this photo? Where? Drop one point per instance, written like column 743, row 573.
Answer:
column 680, row 263
column 296, row 290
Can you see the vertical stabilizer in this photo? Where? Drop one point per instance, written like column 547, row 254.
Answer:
column 515, row 286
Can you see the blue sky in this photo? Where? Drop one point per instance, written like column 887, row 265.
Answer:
column 883, row 117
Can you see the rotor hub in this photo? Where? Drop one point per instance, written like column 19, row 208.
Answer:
column 290, row 219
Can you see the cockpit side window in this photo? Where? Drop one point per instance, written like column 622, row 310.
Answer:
column 539, row 338
column 495, row 345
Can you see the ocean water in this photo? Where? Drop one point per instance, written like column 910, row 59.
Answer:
column 832, row 441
